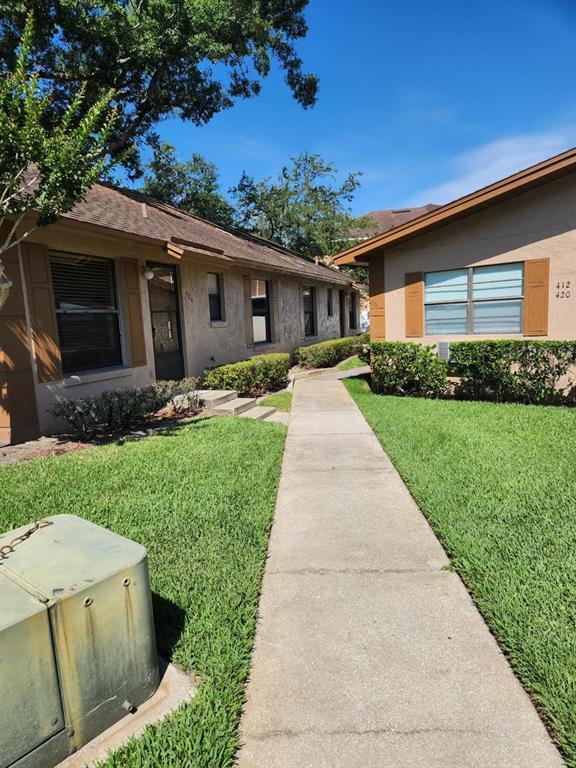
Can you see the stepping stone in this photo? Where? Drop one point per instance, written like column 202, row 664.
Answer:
column 237, row 405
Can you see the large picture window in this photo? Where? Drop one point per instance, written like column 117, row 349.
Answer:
column 476, row 300
column 86, row 312
column 260, row 292
column 309, row 300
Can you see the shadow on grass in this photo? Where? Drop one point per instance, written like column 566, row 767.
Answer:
column 169, row 620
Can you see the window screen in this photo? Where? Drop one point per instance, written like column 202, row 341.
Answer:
column 309, row 300
column 86, row 311
column 353, row 312
column 260, row 291
column 215, row 296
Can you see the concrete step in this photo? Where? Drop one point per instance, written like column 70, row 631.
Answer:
column 215, row 397
column 259, row 412
column 237, row 405
column 279, row 417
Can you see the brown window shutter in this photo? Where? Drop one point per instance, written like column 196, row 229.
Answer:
column 134, row 318
column 377, row 300
column 248, row 313
column 536, row 291
column 414, row 304
column 275, row 312
column 42, row 312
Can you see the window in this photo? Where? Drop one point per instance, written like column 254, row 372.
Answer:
column 353, row 311
column 86, row 311
column 480, row 300
column 330, row 300
column 215, row 297
column 260, row 292
column 309, row 300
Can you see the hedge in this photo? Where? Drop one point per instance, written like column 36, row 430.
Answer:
column 326, row 354
column 259, row 374
column 522, row 371
column 404, row 368
column 123, row 409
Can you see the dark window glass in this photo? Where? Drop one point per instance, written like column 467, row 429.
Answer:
column 260, row 292
column 309, row 299
column 330, row 303
column 215, row 297
column 353, row 310
column 86, row 311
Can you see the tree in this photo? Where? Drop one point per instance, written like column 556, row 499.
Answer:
column 46, row 166
column 191, row 58
column 192, row 185
column 304, row 208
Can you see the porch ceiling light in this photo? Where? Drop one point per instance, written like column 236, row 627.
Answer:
column 148, row 273
column 5, row 285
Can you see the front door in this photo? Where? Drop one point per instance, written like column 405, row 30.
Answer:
column 342, row 303
column 165, row 317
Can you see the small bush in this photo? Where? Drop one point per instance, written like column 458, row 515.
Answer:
column 120, row 410
column 182, row 396
column 522, row 371
column 253, row 377
column 404, row 368
column 327, row 354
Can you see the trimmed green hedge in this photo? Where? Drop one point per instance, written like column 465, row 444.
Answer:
column 405, row 368
column 252, row 377
column 522, row 371
column 326, row 354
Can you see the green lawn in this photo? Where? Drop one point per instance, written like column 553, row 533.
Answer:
column 282, row 401
column 201, row 499
column 351, row 362
column 498, row 485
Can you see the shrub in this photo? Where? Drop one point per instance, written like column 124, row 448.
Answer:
column 514, row 370
column 182, row 396
column 404, row 368
column 326, row 354
column 123, row 409
column 259, row 374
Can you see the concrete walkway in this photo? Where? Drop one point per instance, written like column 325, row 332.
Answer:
column 368, row 654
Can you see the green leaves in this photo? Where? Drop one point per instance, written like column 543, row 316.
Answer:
column 404, row 368
column 46, row 166
column 515, row 370
column 259, row 374
column 191, row 185
column 192, row 58
column 304, row 208
column 326, row 354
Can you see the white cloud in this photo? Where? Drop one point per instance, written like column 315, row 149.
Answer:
column 493, row 161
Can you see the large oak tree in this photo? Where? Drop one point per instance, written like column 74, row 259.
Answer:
column 190, row 58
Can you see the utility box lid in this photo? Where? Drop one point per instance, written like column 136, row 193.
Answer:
column 69, row 555
column 77, row 644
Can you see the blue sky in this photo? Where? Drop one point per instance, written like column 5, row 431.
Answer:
column 431, row 99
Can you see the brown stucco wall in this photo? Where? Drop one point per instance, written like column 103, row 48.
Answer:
column 535, row 225
column 204, row 343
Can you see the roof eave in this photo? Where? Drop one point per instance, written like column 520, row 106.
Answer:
column 521, row 182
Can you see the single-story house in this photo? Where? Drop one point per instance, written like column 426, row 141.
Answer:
column 497, row 263
column 125, row 290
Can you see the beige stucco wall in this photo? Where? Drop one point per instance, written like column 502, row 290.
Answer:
column 204, row 343
column 535, row 225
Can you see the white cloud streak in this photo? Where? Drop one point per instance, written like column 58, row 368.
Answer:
column 493, row 161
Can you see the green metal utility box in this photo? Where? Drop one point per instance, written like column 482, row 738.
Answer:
column 77, row 645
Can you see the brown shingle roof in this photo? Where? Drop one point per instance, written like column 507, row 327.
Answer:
column 133, row 213
column 386, row 220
